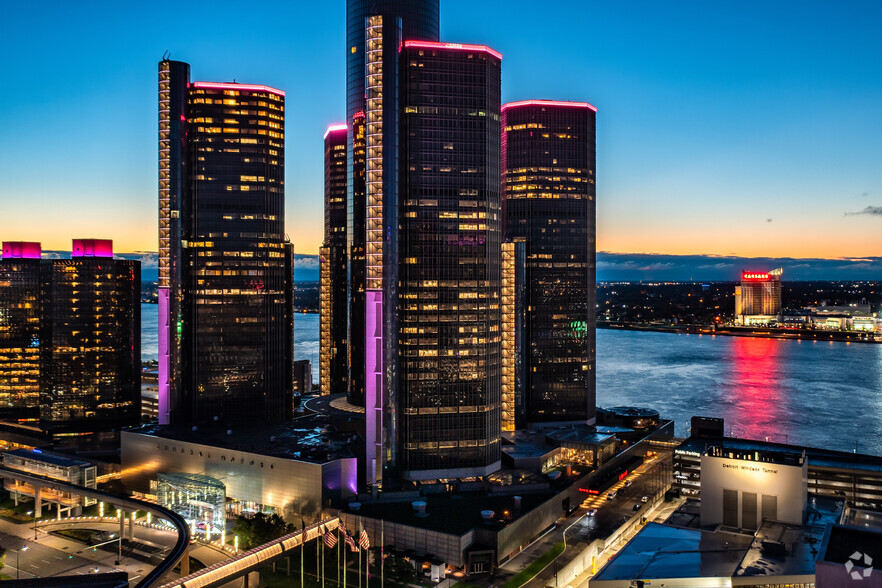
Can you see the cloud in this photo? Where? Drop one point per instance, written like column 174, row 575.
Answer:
column 720, row 265
column 870, row 210
column 306, row 262
column 655, row 267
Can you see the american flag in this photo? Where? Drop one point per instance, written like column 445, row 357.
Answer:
column 330, row 540
column 349, row 541
column 363, row 540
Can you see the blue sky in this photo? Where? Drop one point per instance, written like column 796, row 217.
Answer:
column 748, row 128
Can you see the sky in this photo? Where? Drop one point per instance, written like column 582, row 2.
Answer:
column 748, row 128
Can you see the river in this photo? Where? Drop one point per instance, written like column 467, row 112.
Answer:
column 821, row 394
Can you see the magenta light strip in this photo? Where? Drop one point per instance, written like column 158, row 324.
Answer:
column 463, row 46
column 164, row 334
column 335, row 128
column 241, row 87
column 373, row 388
column 549, row 103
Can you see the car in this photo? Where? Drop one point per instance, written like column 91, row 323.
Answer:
column 612, row 495
column 628, row 483
column 644, row 499
column 637, row 507
column 591, row 512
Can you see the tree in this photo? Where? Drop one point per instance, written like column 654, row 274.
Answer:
column 260, row 528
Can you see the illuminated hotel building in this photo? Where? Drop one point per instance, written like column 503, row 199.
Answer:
column 333, row 351
column 758, row 297
column 224, row 280
column 548, row 178
column 70, row 338
column 433, row 336
column 404, row 19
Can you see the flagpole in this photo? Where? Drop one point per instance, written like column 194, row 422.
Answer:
column 302, row 547
column 382, row 553
column 338, row 555
column 322, row 547
column 359, row 566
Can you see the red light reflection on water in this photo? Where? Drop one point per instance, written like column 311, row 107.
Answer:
column 757, row 396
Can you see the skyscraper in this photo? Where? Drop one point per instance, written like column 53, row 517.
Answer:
column 404, row 19
column 432, row 238
column 70, row 338
column 449, row 407
column 334, row 307
column 223, row 273
column 94, row 370
column 24, row 330
column 548, row 153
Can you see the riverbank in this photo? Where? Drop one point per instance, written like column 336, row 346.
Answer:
column 763, row 333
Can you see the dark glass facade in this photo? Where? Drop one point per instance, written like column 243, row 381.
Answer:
column 549, row 203
column 414, row 19
column 94, row 370
column 334, row 352
column 228, row 313
column 23, row 331
column 449, row 403
column 70, row 339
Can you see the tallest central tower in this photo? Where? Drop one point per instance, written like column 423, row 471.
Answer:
column 416, row 20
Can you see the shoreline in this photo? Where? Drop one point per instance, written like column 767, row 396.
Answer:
column 760, row 333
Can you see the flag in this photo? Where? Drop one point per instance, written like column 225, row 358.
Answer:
column 363, row 540
column 330, row 540
column 349, row 541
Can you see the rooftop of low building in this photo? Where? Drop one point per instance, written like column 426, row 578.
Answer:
column 662, row 551
column 313, row 439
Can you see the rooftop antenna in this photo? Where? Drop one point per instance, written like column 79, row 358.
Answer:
column 165, row 55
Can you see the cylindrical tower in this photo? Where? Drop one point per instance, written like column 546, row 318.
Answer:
column 419, row 20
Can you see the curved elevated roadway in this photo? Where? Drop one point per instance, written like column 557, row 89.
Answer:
column 178, row 554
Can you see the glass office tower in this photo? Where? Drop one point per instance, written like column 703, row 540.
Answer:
column 413, row 19
column 449, row 405
column 23, row 330
column 333, row 346
column 224, row 277
column 70, row 338
column 94, row 370
column 548, row 162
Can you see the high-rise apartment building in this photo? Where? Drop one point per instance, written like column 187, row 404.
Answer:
column 224, row 276
column 403, row 19
column 333, row 303
column 758, row 297
column 70, row 338
column 548, row 179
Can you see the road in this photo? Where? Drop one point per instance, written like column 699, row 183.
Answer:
column 51, row 555
column 584, row 529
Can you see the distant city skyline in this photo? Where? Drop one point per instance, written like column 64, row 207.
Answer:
column 738, row 130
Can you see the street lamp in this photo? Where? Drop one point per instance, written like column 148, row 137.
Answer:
column 34, row 512
column 17, row 571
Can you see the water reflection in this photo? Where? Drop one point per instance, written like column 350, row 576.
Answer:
column 757, row 397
